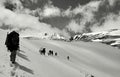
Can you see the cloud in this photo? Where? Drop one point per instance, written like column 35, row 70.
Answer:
column 111, row 22
column 34, row 1
column 93, row 6
column 25, row 22
column 82, row 17
column 74, row 26
column 87, row 13
column 50, row 10
column 109, row 16
column 112, row 2
column 67, row 12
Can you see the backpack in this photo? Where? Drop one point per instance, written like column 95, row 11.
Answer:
column 13, row 38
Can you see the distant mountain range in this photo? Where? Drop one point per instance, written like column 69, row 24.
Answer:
column 54, row 36
column 110, row 37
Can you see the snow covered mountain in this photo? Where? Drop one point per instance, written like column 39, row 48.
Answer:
column 54, row 36
column 111, row 37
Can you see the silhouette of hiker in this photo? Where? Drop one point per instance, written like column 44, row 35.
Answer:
column 68, row 57
column 12, row 44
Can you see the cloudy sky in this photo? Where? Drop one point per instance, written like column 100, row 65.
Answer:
column 66, row 17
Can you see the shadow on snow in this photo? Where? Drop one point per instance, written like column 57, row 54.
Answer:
column 21, row 67
column 22, row 56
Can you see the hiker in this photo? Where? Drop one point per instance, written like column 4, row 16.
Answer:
column 50, row 52
column 68, row 57
column 55, row 53
column 12, row 44
column 42, row 51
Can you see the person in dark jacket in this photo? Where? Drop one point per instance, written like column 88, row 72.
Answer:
column 12, row 44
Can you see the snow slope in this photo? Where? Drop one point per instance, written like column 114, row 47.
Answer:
column 86, row 58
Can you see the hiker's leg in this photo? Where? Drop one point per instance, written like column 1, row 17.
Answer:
column 14, row 56
column 11, row 56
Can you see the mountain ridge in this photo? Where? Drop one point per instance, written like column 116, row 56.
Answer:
column 110, row 37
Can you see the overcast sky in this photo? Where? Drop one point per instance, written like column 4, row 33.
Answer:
column 61, row 16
